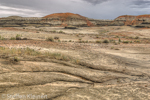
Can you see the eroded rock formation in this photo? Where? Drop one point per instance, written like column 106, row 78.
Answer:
column 70, row 19
column 138, row 21
column 96, row 22
column 67, row 19
column 58, row 19
column 16, row 21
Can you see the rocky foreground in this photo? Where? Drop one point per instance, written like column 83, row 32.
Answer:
column 56, row 70
column 88, row 74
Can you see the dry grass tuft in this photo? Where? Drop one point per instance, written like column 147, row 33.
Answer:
column 50, row 39
column 13, row 54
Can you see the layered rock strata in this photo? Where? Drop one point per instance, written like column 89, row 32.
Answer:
column 70, row 19
column 137, row 21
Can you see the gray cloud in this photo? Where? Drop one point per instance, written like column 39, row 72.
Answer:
column 19, row 2
column 8, row 11
column 37, row 8
column 140, row 3
column 96, row 1
column 34, row 4
column 98, row 9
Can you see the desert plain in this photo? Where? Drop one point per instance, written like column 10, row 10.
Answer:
column 87, row 63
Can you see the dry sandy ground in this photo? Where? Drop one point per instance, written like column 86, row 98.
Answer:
column 104, row 71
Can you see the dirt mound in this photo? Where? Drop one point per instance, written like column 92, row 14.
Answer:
column 68, row 17
column 133, row 20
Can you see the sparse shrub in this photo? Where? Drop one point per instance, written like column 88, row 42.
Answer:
column 12, row 38
column 54, row 31
column 58, row 56
column 70, row 40
column 77, row 35
column 76, row 61
column 40, row 30
column 119, row 40
column 1, row 38
column 130, row 37
column 91, row 41
column 117, row 36
column 125, row 37
column 86, row 41
column 137, row 41
column 125, row 41
column 13, row 60
column 98, row 41
column 111, row 40
column 117, row 49
column 80, row 39
column 83, row 41
column 112, row 47
column 97, row 36
column 105, row 41
column 32, row 52
column 56, row 37
column 103, row 31
column 18, row 37
column 136, row 37
column 2, row 48
column 61, row 32
column 50, row 39
column 116, row 43
column 59, row 41
column 118, row 80
column 16, row 59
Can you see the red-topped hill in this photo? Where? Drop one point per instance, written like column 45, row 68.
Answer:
column 133, row 20
column 64, row 17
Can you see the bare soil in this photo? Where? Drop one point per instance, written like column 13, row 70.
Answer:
column 98, row 71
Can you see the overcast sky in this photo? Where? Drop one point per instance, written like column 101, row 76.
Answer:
column 97, row 9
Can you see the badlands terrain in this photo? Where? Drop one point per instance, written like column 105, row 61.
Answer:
column 87, row 63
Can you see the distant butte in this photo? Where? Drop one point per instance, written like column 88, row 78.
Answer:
column 134, row 20
column 66, row 17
